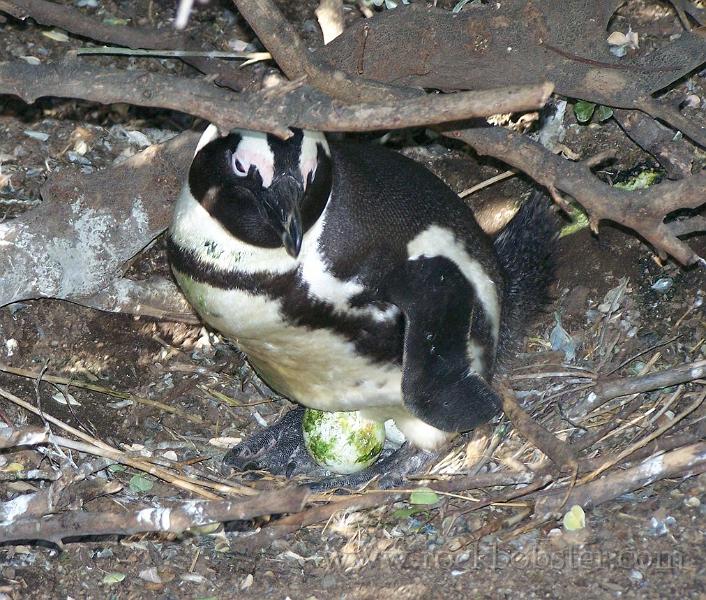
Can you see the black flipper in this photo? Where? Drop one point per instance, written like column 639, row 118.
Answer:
column 441, row 312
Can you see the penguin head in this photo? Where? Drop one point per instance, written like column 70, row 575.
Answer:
column 263, row 190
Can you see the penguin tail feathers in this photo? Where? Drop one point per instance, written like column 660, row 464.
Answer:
column 525, row 250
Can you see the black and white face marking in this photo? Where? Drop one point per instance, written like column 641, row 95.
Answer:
column 264, row 191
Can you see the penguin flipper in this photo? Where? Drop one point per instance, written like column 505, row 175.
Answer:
column 448, row 345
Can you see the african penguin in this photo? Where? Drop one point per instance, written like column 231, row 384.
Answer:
column 353, row 278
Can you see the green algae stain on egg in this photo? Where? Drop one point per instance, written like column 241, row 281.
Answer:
column 343, row 442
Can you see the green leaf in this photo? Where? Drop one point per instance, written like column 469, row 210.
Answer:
column 116, row 468
column 579, row 221
column 584, row 111
column 113, row 578
column 140, row 483
column 603, row 113
column 575, row 519
column 56, row 34
column 423, row 496
column 642, row 180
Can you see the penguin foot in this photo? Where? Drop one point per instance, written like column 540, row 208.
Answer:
column 279, row 449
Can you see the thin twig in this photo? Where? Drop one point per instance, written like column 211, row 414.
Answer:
column 644, row 441
column 76, row 22
column 101, row 390
column 116, row 51
column 138, row 464
column 488, row 182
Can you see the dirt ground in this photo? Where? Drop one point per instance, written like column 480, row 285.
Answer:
column 649, row 543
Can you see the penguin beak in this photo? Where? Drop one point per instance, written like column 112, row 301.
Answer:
column 292, row 233
column 281, row 210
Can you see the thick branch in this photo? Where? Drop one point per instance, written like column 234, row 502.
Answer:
column 675, row 155
column 642, row 210
column 175, row 519
column 265, row 111
column 559, row 452
column 74, row 21
column 613, row 388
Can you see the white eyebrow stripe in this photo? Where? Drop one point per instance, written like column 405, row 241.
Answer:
column 309, row 155
column 209, row 134
column 254, row 149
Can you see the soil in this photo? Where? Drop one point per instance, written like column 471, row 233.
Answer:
column 646, row 544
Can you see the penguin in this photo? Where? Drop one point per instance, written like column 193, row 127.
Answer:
column 353, row 278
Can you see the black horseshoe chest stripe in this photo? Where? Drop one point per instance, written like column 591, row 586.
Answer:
column 379, row 341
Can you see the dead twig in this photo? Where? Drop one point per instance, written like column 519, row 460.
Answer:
column 608, row 389
column 676, row 156
column 96, row 446
column 26, row 436
column 100, row 389
column 558, row 452
column 292, row 56
column 626, row 452
column 689, row 461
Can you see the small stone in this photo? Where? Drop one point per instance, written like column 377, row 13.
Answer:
column 11, row 347
column 36, row 135
column 247, row 582
column 635, row 576
column 662, row 285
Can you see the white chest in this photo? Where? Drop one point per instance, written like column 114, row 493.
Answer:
column 317, row 367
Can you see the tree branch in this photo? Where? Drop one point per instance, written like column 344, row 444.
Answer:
column 264, row 111
column 643, row 211
column 689, row 460
column 176, row 519
column 287, row 48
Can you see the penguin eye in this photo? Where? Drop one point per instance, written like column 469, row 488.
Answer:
column 238, row 167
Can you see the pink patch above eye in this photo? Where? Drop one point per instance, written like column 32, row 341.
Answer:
column 238, row 167
column 308, row 171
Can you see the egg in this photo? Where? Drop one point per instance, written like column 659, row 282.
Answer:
column 342, row 442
